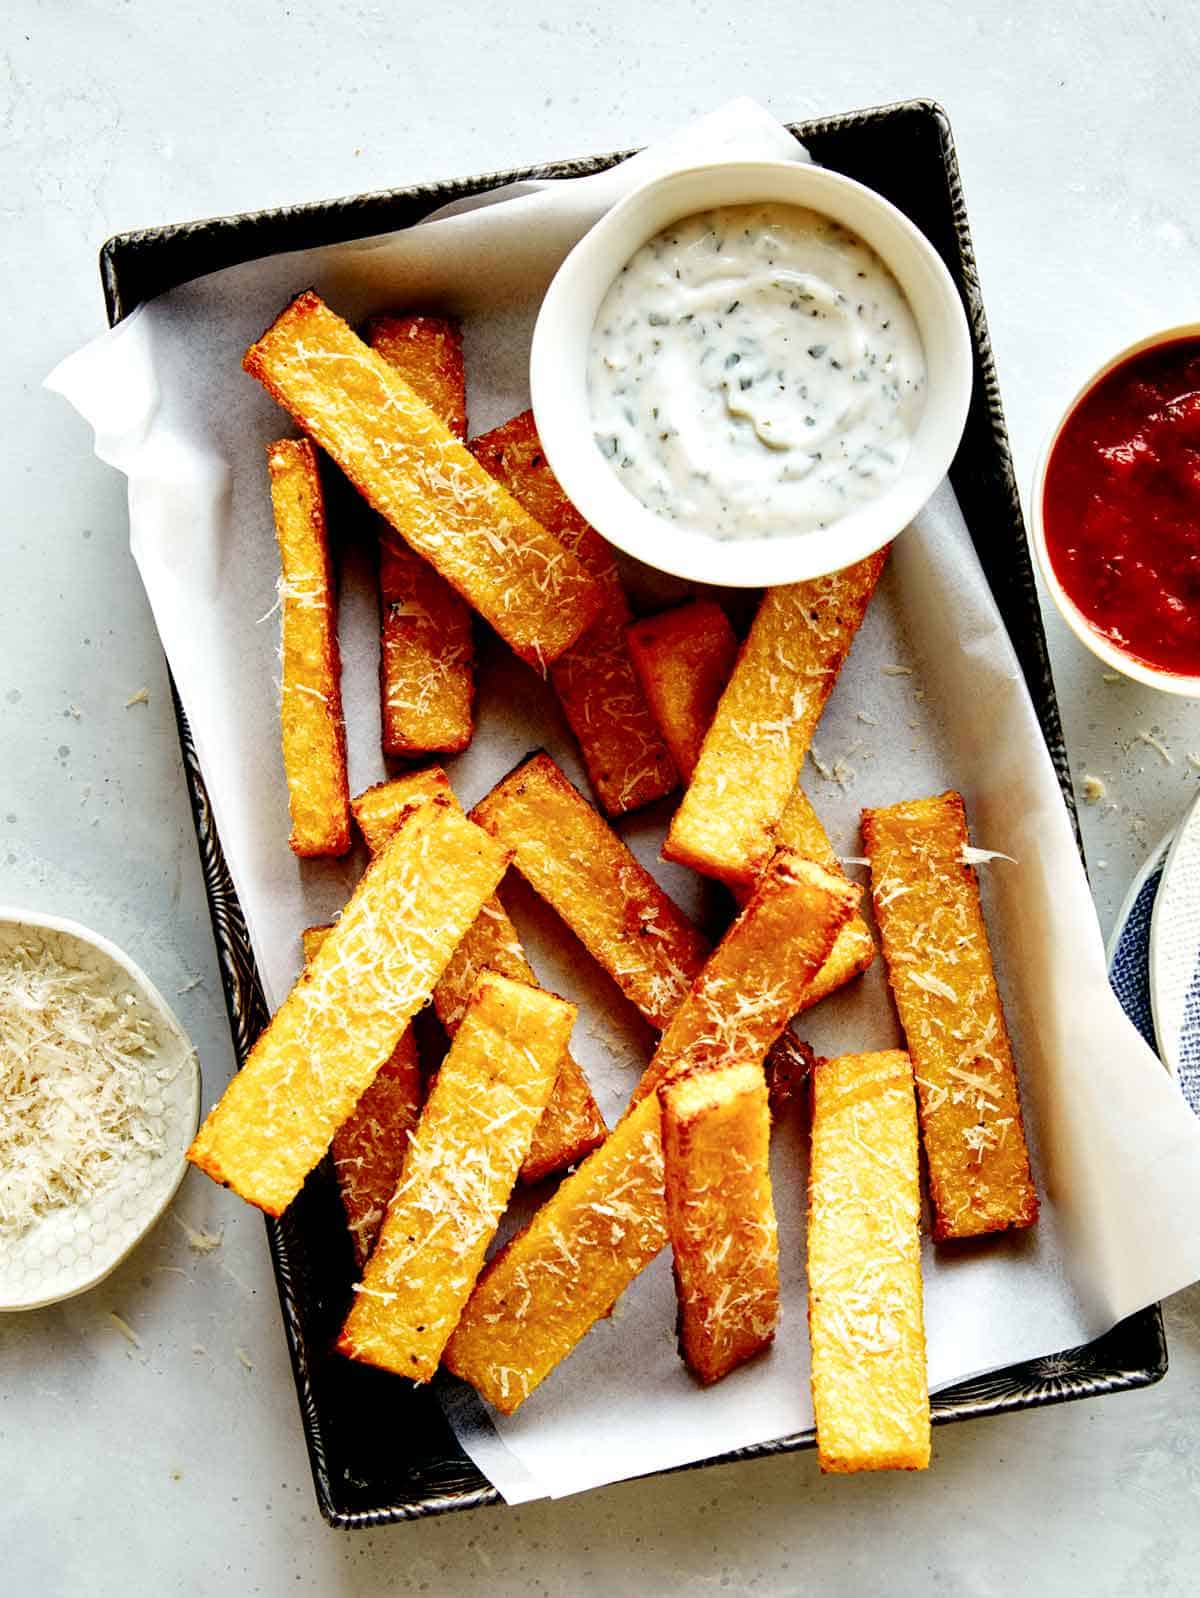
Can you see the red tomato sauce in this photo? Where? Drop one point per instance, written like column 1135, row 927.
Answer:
column 1121, row 506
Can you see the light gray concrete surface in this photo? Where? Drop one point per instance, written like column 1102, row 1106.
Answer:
column 177, row 1466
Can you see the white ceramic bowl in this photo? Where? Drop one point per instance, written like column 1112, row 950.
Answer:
column 558, row 373
column 1103, row 648
column 74, row 1248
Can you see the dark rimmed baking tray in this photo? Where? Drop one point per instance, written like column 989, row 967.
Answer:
column 380, row 1450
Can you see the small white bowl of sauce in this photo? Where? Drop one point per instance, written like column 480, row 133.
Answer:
column 1115, row 518
column 751, row 373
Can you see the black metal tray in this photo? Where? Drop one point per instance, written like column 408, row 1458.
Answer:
column 380, row 1450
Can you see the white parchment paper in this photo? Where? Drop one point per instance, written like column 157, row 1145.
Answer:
column 932, row 697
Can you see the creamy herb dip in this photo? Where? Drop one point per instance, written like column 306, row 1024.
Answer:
column 755, row 370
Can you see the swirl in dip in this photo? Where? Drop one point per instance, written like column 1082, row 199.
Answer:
column 755, row 371
column 1121, row 506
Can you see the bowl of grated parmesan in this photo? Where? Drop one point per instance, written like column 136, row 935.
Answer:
column 99, row 1098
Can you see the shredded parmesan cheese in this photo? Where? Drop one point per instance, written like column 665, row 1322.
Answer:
column 142, row 697
column 1094, row 789
column 971, row 856
column 79, row 1093
column 123, row 1326
column 199, row 1241
column 1160, row 748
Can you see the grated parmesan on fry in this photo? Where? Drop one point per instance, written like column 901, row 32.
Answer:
column 970, row 856
column 78, row 1087
column 1155, row 743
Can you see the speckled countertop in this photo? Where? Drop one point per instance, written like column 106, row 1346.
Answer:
column 177, row 1465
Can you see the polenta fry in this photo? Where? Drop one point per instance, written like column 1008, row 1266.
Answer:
column 628, row 763
column 716, row 1130
column 750, row 761
column 550, row 1285
column 313, row 733
column 573, row 859
column 940, row 970
column 683, row 659
column 572, row 1124
column 854, row 948
column 865, row 1316
column 758, row 973
column 416, row 474
column 368, row 1149
column 458, row 1176
column 343, row 1018
column 426, row 660
column 427, row 351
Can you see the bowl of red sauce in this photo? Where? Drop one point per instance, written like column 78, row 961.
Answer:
column 1116, row 512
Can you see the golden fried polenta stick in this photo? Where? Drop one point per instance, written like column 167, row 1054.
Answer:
column 314, row 735
column 865, row 1315
column 628, row 763
column 683, row 659
column 854, row 949
column 940, row 969
column 426, row 675
column 458, row 1176
column 573, row 859
column 716, row 1131
column 426, row 658
column 752, row 754
column 572, row 1124
column 758, row 973
column 345, row 1015
column 416, row 474
column 368, row 1149
column 551, row 1284
column 427, row 351
column 380, row 809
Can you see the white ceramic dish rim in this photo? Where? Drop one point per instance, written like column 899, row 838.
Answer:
column 558, row 373
column 12, row 916
column 1101, row 647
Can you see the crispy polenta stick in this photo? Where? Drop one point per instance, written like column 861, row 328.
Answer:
column 368, row 1149
column 426, row 676
column 750, row 761
column 628, row 763
column 345, row 1015
column 553, row 1282
column 683, row 659
column 380, row 809
column 426, row 658
column 758, row 974
column 573, row 859
column 458, row 1176
column 716, row 1132
column 572, row 1124
column 427, row 351
column 314, row 735
column 854, row 949
column 865, row 1312
column 417, row 475
column 940, row 968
